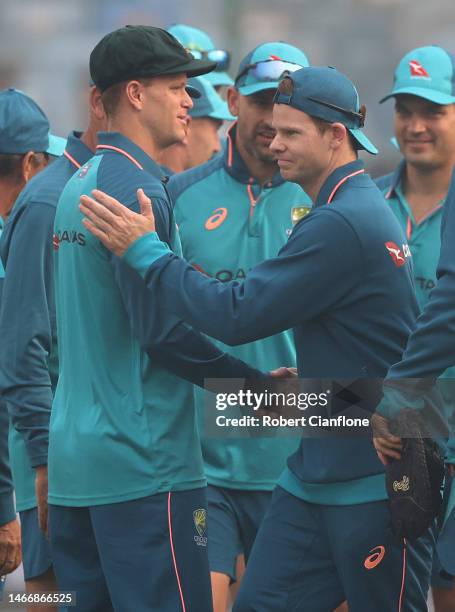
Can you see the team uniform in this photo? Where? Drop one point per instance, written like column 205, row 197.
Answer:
column 424, row 240
column 126, row 477
column 228, row 223
column 428, row 354
column 332, row 282
column 30, row 363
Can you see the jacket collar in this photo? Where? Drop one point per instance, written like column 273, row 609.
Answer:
column 114, row 142
column 396, row 179
column 336, row 180
column 236, row 167
column 76, row 151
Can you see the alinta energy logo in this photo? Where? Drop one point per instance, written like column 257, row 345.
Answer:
column 398, row 255
column 375, row 556
column 417, row 70
column 216, row 218
column 200, row 522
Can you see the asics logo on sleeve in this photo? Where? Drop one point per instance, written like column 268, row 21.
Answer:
column 417, row 70
column 216, row 219
column 398, row 255
column 375, row 556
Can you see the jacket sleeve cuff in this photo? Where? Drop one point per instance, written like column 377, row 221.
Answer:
column 7, row 510
column 144, row 252
column 37, row 452
column 394, row 401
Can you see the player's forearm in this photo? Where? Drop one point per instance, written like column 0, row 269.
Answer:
column 195, row 357
column 27, row 390
column 27, row 329
column 229, row 312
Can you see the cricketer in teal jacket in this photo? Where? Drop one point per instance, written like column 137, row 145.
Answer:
column 429, row 352
column 228, row 223
column 120, row 395
column 424, row 241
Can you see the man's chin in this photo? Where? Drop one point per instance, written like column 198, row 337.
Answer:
column 425, row 163
column 287, row 174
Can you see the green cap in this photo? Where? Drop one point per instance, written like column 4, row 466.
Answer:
column 135, row 52
column 263, row 67
column 201, row 46
column 426, row 72
column 209, row 104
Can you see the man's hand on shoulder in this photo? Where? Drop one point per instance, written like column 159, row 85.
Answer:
column 115, row 225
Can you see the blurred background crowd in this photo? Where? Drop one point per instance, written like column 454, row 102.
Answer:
column 45, row 44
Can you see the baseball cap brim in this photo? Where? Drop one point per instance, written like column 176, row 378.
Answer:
column 56, row 145
column 394, row 143
column 218, row 79
column 421, row 92
column 248, row 90
column 364, row 142
column 193, row 92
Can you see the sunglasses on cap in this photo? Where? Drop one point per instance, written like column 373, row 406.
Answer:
column 220, row 56
column 268, row 70
column 286, row 89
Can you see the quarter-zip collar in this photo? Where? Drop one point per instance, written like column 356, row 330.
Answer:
column 236, row 167
column 76, row 152
column 116, row 143
column 337, row 180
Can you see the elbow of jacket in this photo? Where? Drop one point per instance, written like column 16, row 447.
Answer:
column 233, row 337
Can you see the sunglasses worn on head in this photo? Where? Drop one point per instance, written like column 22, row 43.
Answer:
column 220, row 56
column 268, row 70
column 286, row 89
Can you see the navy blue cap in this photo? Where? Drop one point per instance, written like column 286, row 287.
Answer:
column 326, row 93
column 24, row 127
